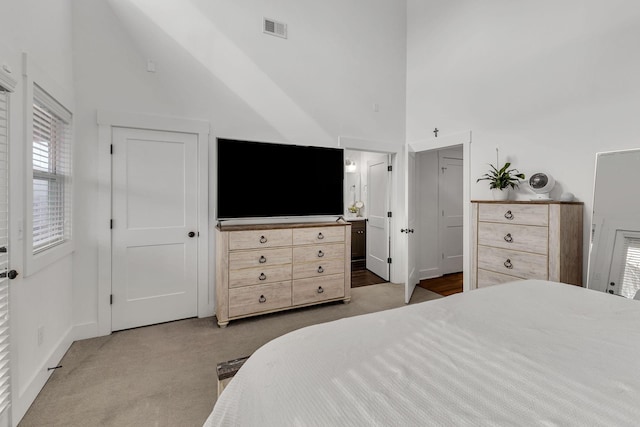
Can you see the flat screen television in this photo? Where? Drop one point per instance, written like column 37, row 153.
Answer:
column 265, row 180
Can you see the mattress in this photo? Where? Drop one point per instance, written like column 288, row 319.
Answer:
column 522, row 353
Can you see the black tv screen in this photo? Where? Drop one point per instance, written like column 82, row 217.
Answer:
column 261, row 180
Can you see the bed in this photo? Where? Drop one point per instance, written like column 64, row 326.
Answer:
column 522, row 353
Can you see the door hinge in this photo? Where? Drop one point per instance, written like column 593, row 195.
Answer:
column 111, row 224
column 442, row 256
column 443, row 212
column 111, row 299
column 389, row 168
column 111, row 149
column 388, row 214
column 388, row 260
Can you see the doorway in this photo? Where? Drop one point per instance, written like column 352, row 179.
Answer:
column 439, row 205
column 154, row 199
column 367, row 181
column 425, row 257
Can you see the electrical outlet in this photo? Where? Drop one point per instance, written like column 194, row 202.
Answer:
column 40, row 335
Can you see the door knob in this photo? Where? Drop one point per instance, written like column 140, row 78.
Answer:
column 191, row 234
column 11, row 274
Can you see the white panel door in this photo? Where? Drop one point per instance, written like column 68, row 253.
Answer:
column 451, row 207
column 154, row 235
column 377, row 219
column 411, row 279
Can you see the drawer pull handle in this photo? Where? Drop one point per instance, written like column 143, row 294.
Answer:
column 320, row 269
column 263, row 239
column 508, row 238
column 508, row 264
column 508, row 215
column 320, row 290
column 320, row 236
column 262, row 299
column 262, row 259
column 262, row 276
column 320, row 254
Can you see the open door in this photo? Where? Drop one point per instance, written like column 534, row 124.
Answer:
column 377, row 218
column 411, row 279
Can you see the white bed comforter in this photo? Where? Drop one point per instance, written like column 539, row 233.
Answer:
column 522, row 353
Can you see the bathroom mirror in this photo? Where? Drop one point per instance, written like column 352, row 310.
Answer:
column 614, row 255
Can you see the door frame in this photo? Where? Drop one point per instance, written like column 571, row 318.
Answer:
column 396, row 272
column 107, row 120
column 445, row 141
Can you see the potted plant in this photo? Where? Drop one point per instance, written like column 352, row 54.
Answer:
column 500, row 180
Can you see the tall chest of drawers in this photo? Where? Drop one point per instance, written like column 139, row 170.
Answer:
column 272, row 267
column 526, row 240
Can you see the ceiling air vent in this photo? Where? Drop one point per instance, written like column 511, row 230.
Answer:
column 275, row 28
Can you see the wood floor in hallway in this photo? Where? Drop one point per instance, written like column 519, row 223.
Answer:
column 365, row 277
column 448, row 284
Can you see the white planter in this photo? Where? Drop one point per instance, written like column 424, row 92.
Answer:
column 500, row 194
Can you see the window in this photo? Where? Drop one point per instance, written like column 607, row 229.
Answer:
column 624, row 279
column 51, row 221
column 5, row 392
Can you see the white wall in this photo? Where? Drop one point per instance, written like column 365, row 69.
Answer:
column 43, row 31
column 549, row 83
column 214, row 63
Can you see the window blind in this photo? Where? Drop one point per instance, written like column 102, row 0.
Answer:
column 5, row 395
column 51, row 172
column 629, row 282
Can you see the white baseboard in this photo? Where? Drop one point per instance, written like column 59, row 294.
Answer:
column 430, row 273
column 85, row 331
column 26, row 395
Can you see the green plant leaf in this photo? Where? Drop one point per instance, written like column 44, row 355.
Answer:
column 503, row 177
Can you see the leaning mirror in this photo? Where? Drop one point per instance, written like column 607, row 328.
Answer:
column 614, row 256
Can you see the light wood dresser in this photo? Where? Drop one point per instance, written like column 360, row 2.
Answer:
column 526, row 240
column 272, row 267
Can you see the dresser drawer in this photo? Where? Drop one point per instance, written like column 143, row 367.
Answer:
column 258, row 275
column 528, row 238
column 304, row 236
column 256, row 299
column 319, row 268
column 520, row 264
column 489, row 278
column 318, row 252
column 259, row 258
column 253, row 239
column 306, row 291
column 514, row 213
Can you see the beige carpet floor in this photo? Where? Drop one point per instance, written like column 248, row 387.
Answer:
column 165, row 375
